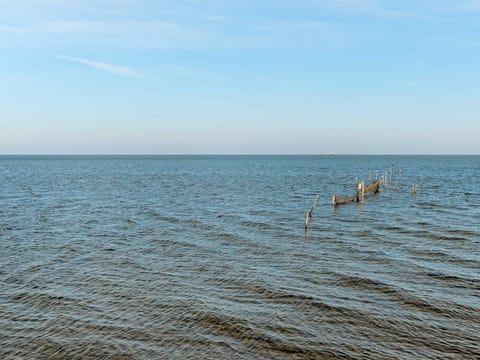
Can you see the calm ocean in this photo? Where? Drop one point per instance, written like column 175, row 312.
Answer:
column 176, row 257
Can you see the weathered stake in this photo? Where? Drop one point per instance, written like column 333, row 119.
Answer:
column 414, row 189
column 313, row 205
column 310, row 213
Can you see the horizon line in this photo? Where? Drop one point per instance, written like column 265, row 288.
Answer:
column 240, row 154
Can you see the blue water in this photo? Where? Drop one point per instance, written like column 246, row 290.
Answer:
column 141, row 257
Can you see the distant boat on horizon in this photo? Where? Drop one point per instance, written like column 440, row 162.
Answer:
column 331, row 153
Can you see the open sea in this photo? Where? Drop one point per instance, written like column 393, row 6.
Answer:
column 206, row 257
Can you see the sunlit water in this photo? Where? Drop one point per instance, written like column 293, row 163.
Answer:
column 206, row 257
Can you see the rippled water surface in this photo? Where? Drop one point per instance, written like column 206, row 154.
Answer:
column 206, row 257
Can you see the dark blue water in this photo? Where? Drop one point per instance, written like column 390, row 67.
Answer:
column 206, row 257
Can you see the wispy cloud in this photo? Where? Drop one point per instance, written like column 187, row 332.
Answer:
column 111, row 68
column 185, row 24
column 129, row 33
column 109, row 28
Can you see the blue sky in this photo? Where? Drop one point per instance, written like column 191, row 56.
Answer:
column 211, row 76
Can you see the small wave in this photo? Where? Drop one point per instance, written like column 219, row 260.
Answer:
column 53, row 348
column 271, row 341
column 196, row 224
column 41, row 300
column 441, row 309
column 453, row 280
column 364, row 283
column 257, row 225
column 260, row 212
column 13, row 279
column 164, row 218
column 8, row 228
column 464, row 232
column 227, row 236
column 390, row 228
column 431, row 235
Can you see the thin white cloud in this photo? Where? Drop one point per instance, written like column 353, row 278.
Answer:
column 110, row 28
column 143, row 34
column 111, row 68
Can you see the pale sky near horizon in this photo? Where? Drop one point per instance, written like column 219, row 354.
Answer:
column 211, row 76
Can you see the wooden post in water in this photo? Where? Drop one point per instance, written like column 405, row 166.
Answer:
column 306, row 221
column 310, row 213
column 358, row 192
column 314, row 203
column 414, row 189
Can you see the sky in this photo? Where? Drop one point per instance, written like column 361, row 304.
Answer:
column 239, row 77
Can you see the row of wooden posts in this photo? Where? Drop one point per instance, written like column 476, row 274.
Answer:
column 361, row 188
